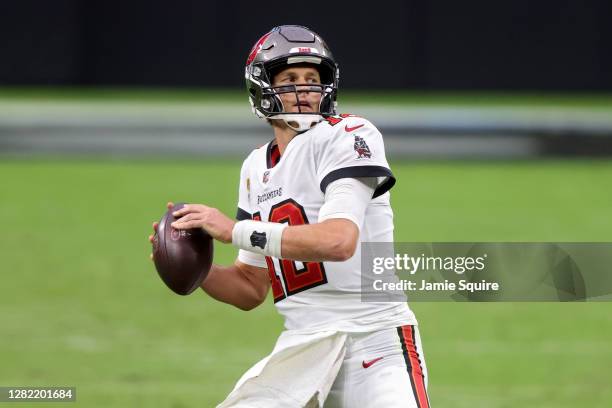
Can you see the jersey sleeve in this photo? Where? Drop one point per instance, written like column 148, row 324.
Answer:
column 354, row 148
column 244, row 211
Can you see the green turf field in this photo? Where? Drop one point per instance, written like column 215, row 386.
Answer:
column 596, row 101
column 81, row 304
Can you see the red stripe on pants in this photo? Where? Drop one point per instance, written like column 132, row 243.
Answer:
column 414, row 368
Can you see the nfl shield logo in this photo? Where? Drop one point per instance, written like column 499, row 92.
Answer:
column 266, row 176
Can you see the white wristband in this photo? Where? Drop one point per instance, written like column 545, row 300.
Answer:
column 260, row 237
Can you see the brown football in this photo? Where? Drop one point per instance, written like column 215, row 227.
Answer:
column 182, row 257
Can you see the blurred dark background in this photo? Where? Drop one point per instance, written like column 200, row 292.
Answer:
column 444, row 44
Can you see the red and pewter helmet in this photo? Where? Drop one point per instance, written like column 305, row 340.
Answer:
column 281, row 47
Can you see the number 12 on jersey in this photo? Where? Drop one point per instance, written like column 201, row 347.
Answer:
column 296, row 280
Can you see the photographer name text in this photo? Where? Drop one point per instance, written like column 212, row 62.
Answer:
column 423, row 285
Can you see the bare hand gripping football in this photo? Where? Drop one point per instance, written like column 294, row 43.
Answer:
column 182, row 257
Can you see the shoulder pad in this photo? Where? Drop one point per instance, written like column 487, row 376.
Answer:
column 335, row 119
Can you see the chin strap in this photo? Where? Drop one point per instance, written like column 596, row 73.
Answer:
column 304, row 122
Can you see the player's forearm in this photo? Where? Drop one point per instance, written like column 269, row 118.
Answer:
column 331, row 240
column 230, row 285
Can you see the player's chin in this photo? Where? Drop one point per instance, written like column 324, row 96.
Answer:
column 302, row 109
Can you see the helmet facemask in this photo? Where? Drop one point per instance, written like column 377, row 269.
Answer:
column 274, row 108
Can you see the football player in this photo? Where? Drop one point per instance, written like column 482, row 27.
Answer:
column 307, row 199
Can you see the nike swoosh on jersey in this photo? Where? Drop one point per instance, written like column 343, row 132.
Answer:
column 350, row 129
column 367, row 364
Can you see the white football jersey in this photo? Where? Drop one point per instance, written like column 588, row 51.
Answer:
column 291, row 189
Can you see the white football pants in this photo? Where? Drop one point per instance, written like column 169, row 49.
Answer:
column 381, row 369
column 385, row 368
